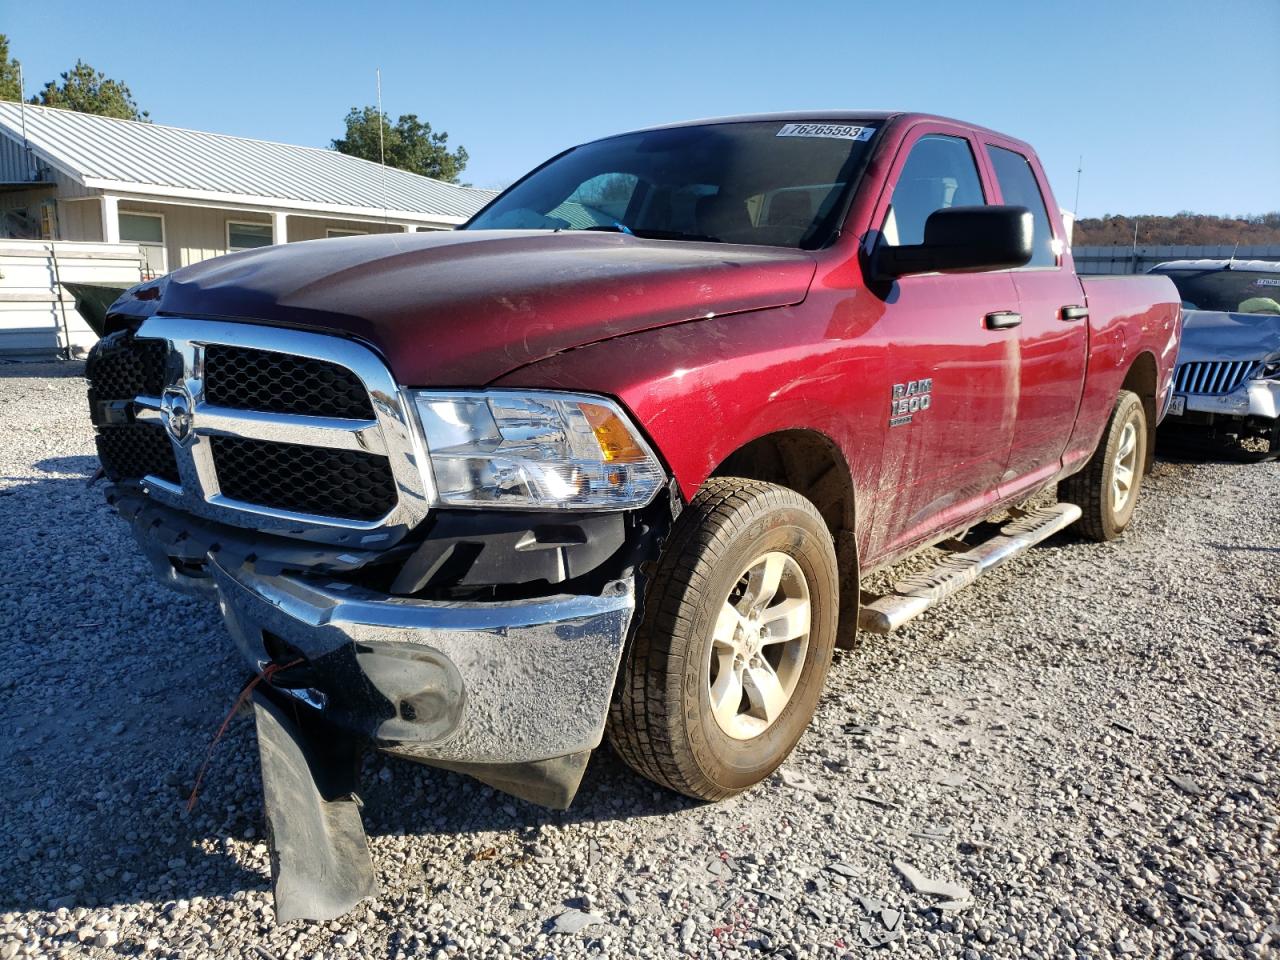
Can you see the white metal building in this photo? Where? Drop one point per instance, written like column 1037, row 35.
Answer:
column 186, row 196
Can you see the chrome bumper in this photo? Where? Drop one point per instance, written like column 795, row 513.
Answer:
column 1254, row 398
column 474, row 683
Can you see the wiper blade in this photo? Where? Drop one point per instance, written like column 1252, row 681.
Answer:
column 615, row 226
column 676, row 235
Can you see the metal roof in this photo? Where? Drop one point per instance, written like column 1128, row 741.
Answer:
column 1252, row 266
column 107, row 153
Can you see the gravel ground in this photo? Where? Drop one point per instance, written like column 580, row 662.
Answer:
column 1079, row 756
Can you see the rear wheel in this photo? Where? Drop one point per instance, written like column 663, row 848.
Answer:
column 728, row 661
column 1106, row 490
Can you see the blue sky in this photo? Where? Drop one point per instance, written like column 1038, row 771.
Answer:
column 1173, row 103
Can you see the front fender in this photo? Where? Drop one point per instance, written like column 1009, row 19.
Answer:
column 705, row 389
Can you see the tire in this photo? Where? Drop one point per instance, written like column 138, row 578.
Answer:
column 1100, row 490
column 735, row 539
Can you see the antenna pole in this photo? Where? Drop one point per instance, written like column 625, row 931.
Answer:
column 22, row 113
column 382, row 147
column 1079, row 170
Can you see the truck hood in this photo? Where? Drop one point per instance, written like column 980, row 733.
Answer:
column 1211, row 335
column 464, row 308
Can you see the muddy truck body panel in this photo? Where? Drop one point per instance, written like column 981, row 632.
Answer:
column 429, row 478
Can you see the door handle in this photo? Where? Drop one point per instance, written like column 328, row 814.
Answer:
column 1003, row 320
column 1073, row 313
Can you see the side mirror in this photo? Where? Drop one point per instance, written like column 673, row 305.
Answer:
column 963, row 240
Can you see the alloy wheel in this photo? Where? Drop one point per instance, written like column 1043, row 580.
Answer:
column 1126, row 467
column 758, row 646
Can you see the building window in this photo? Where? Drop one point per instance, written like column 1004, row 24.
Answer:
column 142, row 227
column 147, row 231
column 333, row 232
column 247, row 236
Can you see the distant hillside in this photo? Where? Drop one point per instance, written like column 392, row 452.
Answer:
column 1183, row 228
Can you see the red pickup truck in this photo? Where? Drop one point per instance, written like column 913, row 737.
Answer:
column 614, row 457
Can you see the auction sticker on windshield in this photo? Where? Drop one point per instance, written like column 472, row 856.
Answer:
column 837, row 131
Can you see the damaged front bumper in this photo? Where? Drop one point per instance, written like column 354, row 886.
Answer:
column 494, row 683
column 512, row 692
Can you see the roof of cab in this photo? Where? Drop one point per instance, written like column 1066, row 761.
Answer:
column 813, row 116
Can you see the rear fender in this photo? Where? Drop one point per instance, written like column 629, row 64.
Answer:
column 1129, row 318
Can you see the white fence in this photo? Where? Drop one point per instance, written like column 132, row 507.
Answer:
column 38, row 317
column 1139, row 259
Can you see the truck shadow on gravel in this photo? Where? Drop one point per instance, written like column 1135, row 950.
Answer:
column 1183, row 449
column 111, row 687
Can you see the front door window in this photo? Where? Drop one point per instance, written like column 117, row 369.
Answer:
column 939, row 173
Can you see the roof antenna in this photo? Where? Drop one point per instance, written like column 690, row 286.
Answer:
column 1231, row 262
column 22, row 114
column 1079, row 170
column 382, row 147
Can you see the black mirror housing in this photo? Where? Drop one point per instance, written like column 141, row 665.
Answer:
column 964, row 240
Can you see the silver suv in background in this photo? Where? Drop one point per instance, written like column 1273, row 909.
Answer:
column 1227, row 382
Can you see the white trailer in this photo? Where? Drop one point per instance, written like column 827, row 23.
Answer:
column 38, row 317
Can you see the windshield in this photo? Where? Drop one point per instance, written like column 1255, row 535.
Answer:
column 774, row 183
column 1232, row 291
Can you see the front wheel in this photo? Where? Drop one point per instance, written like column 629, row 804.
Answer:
column 728, row 661
column 1106, row 490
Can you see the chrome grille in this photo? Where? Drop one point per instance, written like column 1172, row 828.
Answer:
column 121, row 368
column 1213, row 376
column 136, row 450
column 245, row 379
column 289, row 432
column 337, row 483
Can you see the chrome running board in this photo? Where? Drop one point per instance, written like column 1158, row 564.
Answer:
column 915, row 594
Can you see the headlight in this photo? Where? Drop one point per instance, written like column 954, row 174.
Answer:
column 535, row 450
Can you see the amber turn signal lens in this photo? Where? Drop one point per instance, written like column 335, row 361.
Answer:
column 616, row 443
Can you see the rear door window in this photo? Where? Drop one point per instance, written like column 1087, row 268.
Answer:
column 1018, row 188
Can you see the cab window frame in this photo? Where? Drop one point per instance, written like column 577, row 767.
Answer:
column 1057, row 241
